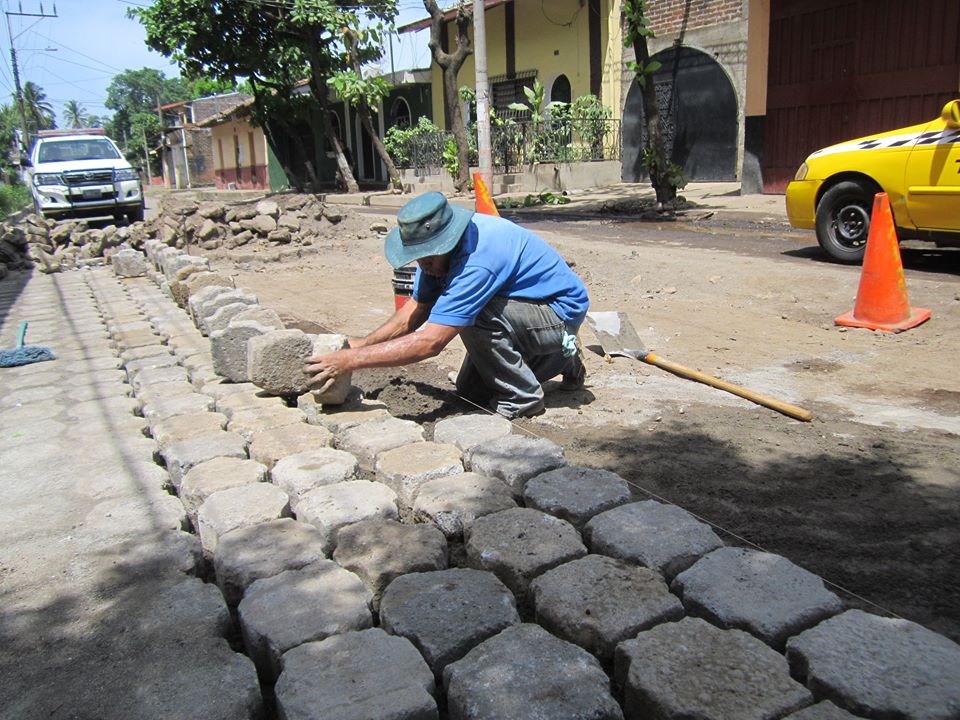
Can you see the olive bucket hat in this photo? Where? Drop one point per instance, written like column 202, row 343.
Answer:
column 427, row 225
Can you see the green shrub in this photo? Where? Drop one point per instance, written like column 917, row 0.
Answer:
column 13, row 198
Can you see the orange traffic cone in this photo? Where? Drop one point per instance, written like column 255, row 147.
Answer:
column 882, row 302
column 484, row 203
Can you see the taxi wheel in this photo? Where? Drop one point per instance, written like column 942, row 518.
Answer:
column 843, row 220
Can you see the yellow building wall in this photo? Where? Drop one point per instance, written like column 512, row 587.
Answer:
column 551, row 38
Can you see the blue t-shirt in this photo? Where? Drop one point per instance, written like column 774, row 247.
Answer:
column 497, row 257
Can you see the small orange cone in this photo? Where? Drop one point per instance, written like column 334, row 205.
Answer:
column 484, row 203
column 882, row 302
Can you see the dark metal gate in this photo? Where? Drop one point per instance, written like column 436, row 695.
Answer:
column 841, row 69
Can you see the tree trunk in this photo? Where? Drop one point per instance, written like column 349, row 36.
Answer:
column 366, row 118
column 319, row 90
column 657, row 168
column 459, row 130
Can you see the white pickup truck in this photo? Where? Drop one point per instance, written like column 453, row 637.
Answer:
column 82, row 173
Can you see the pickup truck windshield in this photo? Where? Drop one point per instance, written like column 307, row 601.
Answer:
column 66, row 150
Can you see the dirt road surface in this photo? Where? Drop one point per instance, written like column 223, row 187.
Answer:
column 866, row 495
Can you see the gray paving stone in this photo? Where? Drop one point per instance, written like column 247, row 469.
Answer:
column 658, row 536
column 331, row 507
column 154, row 361
column 237, row 507
column 197, row 299
column 525, row 673
column 379, row 551
column 446, row 613
column 337, row 418
column 219, row 473
column 252, row 420
column 129, row 263
column 275, row 361
column 203, row 311
column 156, row 375
column 158, row 391
column 453, row 503
column 764, row 594
column 825, row 710
column 263, row 550
column 518, row 545
column 692, row 669
column 183, row 455
column 301, row 472
column 245, row 400
column 296, row 606
column 369, row 439
column 336, row 391
column 576, row 494
column 229, row 347
column 356, row 676
column 223, row 389
column 514, row 459
column 465, row 431
column 408, row 467
column 221, row 318
column 597, row 602
column 190, row 425
column 879, row 667
column 163, row 408
column 270, row 445
column 144, row 352
column 135, row 338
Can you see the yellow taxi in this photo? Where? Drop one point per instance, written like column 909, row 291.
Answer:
column 919, row 169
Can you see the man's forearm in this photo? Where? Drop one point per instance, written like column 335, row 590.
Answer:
column 403, row 322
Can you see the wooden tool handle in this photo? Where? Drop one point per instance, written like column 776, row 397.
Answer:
column 793, row 411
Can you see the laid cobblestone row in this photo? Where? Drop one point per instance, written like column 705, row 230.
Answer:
column 306, row 586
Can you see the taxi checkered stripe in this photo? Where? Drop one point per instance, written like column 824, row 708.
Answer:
column 936, row 137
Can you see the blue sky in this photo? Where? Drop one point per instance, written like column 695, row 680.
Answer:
column 75, row 55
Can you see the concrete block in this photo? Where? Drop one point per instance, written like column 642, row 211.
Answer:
column 262, row 315
column 225, row 388
column 332, row 507
column 453, row 503
column 879, row 667
column 190, row 286
column 275, row 361
column 356, row 676
column 269, row 446
column 576, row 494
column 337, row 418
column 764, row 594
column 379, row 551
column 158, row 375
column 181, row 456
column 197, row 299
column 143, row 352
column 408, row 467
column 525, row 672
column 203, row 310
column 263, row 550
column 692, row 669
column 514, row 459
column 252, row 420
column 597, row 602
column 163, row 408
column 369, row 439
column 134, row 339
column 649, row 533
column 520, row 544
column 158, row 391
column 129, row 263
column 154, row 361
column 301, row 472
column 237, row 507
column 446, row 613
column 246, row 400
column 221, row 317
column 190, row 425
column 211, row 476
column 465, row 431
column 229, row 347
column 336, row 391
column 297, row 606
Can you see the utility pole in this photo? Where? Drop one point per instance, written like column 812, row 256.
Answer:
column 25, row 133
column 483, row 93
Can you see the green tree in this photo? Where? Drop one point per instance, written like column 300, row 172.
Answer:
column 74, row 114
column 665, row 176
column 273, row 46
column 140, row 91
column 450, row 64
column 205, row 87
column 37, row 108
column 9, row 124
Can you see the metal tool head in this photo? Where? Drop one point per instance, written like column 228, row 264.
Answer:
column 616, row 334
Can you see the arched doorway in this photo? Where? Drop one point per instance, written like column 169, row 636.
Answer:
column 560, row 90
column 400, row 113
column 698, row 118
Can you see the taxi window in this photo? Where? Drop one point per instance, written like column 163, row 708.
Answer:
column 63, row 150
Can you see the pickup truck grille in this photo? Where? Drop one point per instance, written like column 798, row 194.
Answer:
column 75, row 178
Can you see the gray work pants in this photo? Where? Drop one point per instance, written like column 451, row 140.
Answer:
column 513, row 346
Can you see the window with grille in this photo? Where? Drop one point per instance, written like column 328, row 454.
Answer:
column 506, row 89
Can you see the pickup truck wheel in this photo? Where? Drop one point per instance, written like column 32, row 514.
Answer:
column 843, row 220
column 135, row 215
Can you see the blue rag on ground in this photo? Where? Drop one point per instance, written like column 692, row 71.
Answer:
column 25, row 356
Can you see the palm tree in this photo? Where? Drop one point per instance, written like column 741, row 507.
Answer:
column 37, row 108
column 74, row 114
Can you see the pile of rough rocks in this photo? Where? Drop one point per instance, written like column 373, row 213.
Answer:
column 278, row 221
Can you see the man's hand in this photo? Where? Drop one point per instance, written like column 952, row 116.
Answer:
column 323, row 369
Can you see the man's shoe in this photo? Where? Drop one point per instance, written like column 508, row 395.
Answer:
column 574, row 378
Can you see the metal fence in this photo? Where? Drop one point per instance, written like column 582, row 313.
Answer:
column 517, row 143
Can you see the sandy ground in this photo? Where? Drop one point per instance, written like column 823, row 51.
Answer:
column 866, row 495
